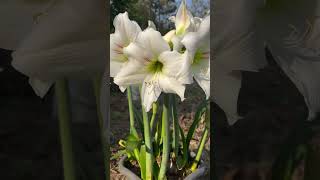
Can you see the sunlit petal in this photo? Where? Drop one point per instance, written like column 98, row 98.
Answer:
column 152, row 41
column 225, row 93
column 183, row 18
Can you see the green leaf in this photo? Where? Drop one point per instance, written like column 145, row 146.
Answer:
column 132, row 142
column 293, row 151
column 138, row 117
column 200, row 110
column 143, row 161
column 118, row 154
column 156, row 170
column 182, row 160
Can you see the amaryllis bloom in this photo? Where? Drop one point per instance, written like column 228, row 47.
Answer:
column 152, row 64
column 197, row 46
column 184, row 23
column 290, row 29
column 126, row 32
column 66, row 39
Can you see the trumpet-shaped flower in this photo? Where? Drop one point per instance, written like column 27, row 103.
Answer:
column 197, row 45
column 126, row 32
column 152, row 64
column 55, row 48
column 290, row 29
column 184, row 23
column 183, row 19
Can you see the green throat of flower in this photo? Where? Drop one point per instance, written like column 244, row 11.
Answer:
column 197, row 57
column 155, row 66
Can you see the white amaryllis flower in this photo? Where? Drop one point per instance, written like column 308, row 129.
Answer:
column 197, row 46
column 183, row 19
column 184, row 23
column 126, row 32
column 152, row 64
column 55, row 48
column 290, row 29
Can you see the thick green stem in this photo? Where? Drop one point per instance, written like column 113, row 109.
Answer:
column 105, row 148
column 64, row 117
column 200, row 150
column 176, row 125
column 148, row 143
column 131, row 113
column 166, row 138
column 153, row 117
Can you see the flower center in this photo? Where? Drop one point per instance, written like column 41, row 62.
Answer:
column 198, row 57
column 155, row 66
column 171, row 45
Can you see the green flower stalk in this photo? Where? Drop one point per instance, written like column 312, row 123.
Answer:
column 131, row 113
column 153, row 117
column 166, row 138
column 176, row 126
column 148, row 144
column 200, row 150
column 202, row 141
column 65, row 129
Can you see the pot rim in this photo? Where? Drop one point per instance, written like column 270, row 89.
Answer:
column 200, row 172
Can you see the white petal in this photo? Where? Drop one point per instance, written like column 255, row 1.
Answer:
column 192, row 41
column 54, row 28
column 127, row 29
column 204, row 83
column 132, row 73
column 195, row 24
column 200, row 39
column 17, row 20
column 172, row 85
column 83, row 59
column 183, row 18
column 201, row 73
column 204, row 28
column 152, row 25
column 236, row 44
column 171, row 60
column 116, row 48
column 167, row 37
column 303, row 74
column 40, row 87
column 293, row 37
column 115, row 68
column 150, row 92
column 226, row 87
column 155, row 84
column 152, row 41
column 177, row 44
column 138, row 52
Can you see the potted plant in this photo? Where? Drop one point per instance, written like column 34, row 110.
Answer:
column 161, row 67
